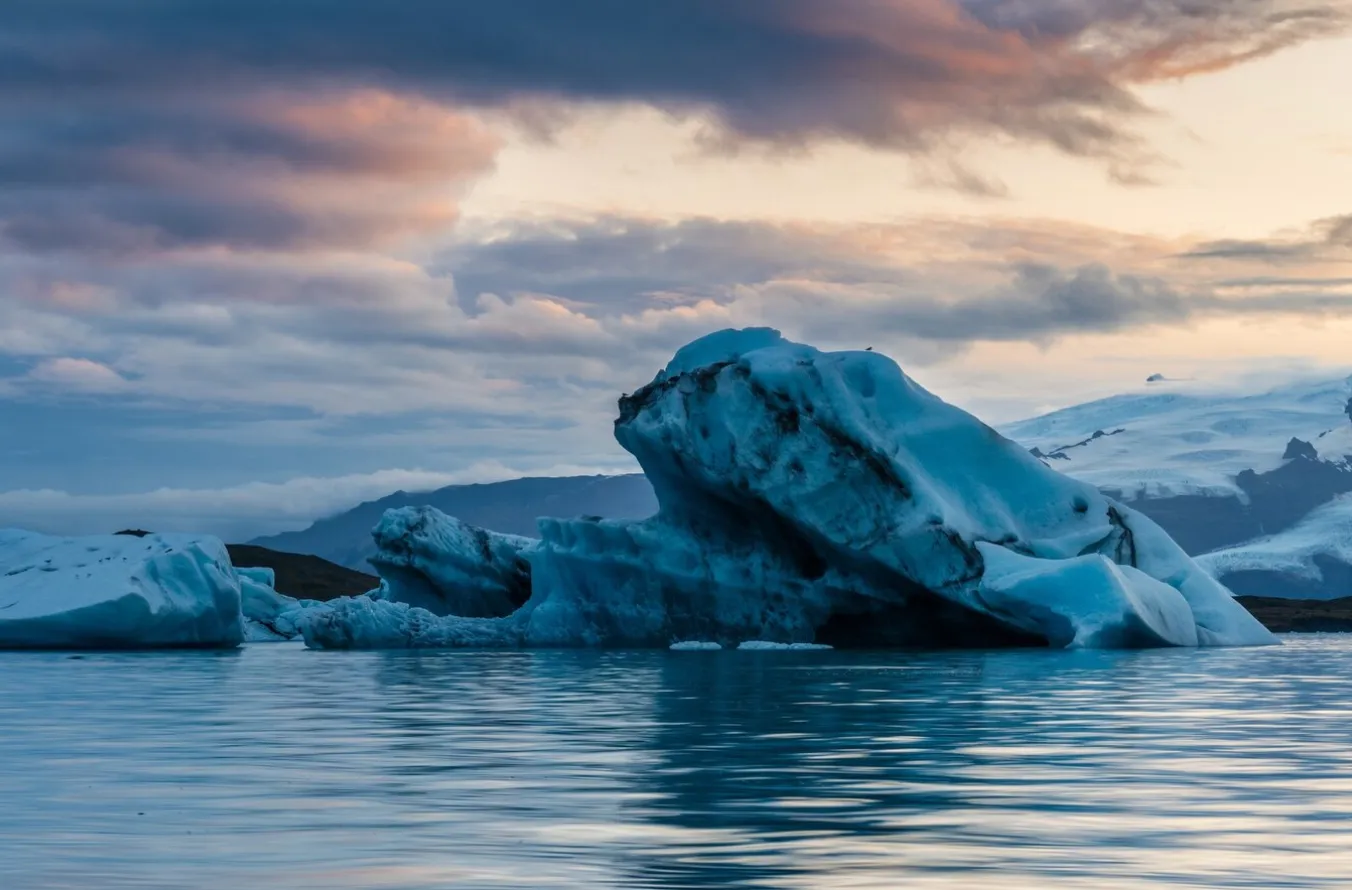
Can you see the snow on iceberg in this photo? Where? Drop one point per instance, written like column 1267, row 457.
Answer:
column 810, row 497
column 436, row 562
column 1088, row 602
column 117, row 591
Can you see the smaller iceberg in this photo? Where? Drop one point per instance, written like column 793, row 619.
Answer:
column 117, row 592
column 772, row 646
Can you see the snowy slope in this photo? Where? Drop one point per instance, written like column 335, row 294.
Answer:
column 1179, row 439
column 1256, row 480
column 826, row 497
column 1312, row 560
column 117, row 591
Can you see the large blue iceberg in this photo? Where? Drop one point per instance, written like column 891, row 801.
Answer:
column 805, row 497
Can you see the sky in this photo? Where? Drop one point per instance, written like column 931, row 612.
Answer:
column 260, row 261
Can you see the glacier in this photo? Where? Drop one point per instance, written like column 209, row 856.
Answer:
column 117, row 591
column 1187, row 439
column 805, row 497
column 1311, row 560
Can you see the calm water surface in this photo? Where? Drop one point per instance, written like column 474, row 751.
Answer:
column 275, row 767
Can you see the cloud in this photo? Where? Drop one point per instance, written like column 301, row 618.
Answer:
column 517, row 342
column 932, row 281
column 239, row 512
column 549, row 320
column 77, row 373
column 880, row 72
column 1326, row 238
column 211, row 212
column 359, row 169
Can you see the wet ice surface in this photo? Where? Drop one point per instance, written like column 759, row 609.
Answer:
column 284, row 768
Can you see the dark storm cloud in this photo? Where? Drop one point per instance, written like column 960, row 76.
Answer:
column 273, row 171
column 1043, row 301
column 845, row 283
column 1325, row 238
column 158, row 125
column 869, row 70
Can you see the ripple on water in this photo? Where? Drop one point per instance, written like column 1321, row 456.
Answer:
column 283, row 768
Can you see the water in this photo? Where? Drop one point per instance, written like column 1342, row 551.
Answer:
column 281, row 768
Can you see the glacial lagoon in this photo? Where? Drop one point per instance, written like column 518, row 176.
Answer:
column 278, row 767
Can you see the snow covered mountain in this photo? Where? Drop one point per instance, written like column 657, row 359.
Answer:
column 1256, row 476
column 1311, row 560
column 510, row 507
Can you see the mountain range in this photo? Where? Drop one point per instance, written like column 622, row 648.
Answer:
column 510, row 507
column 1259, row 486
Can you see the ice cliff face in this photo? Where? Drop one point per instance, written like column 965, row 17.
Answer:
column 826, row 497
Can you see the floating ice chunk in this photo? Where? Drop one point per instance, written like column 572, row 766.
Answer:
column 768, row 646
column 695, row 646
column 718, row 348
column 260, row 601
column 362, row 623
column 117, row 591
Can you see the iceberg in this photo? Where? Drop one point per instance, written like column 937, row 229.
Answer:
column 117, row 592
column 809, row 497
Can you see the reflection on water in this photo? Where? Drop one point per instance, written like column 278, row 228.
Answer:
column 282, row 768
